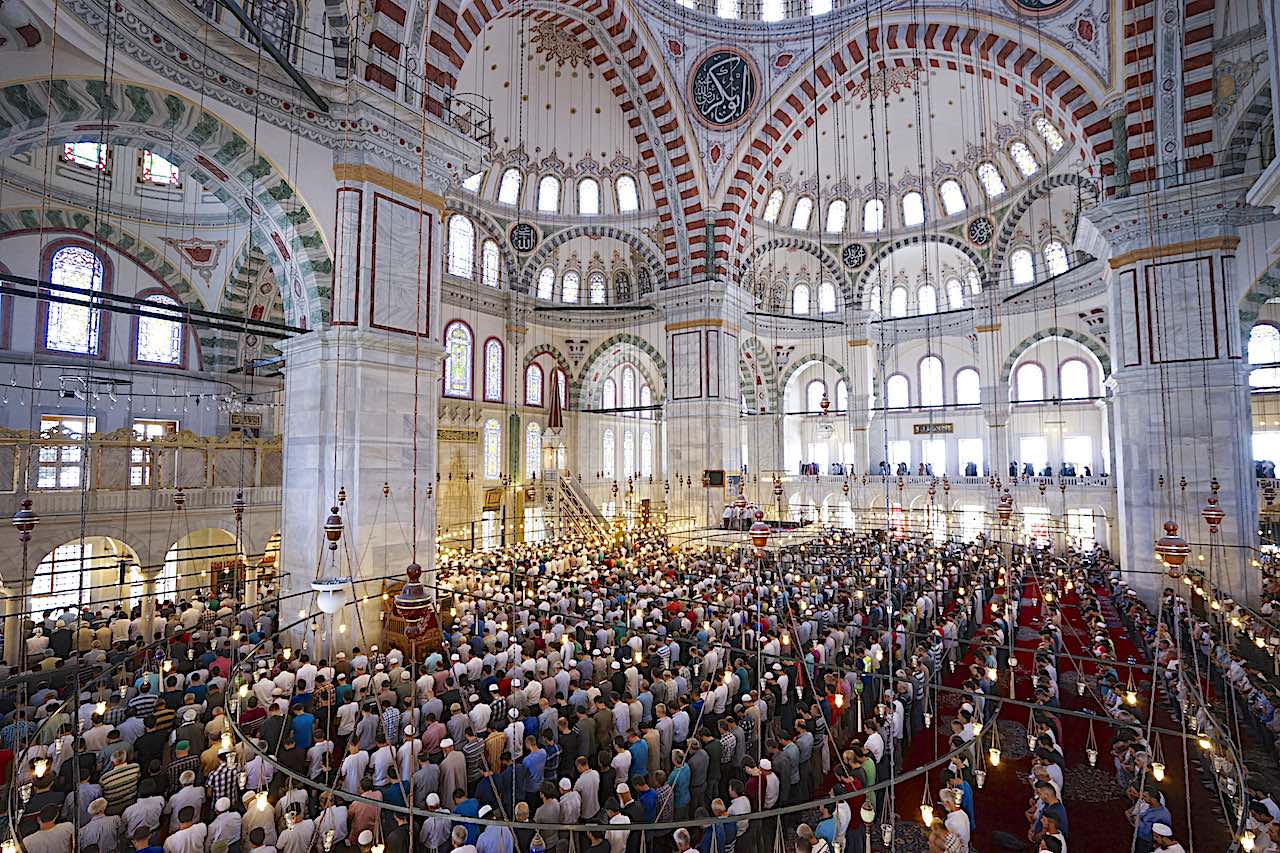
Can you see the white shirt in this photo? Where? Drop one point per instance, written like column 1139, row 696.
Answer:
column 353, row 767
column 189, row 840
column 958, row 824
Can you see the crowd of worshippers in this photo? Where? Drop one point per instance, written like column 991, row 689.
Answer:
column 620, row 684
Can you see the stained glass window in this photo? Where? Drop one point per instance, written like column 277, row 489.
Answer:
column 509, row 186
column 493, row 371
column 804, row 209
column 1023, row 159
column 1055, row 257
column 607, row 454
column 952, row 197
column 628, row 196
column 989, row 177
column 1051, row 136
column 532, row 451
column 62, row 465
column 609, row 395
column 588, row 197
column 826, row 298
column 646, row 454
column 462, row 247
column 533, row 385
column 492, row 449
column 569, row 286
column 489, row 264
column 86, row 155
column 646, row 399
column 159, row 171
column 597, row 288
column 457, row 360
column 628, row 453
column 74, row 327
column 546, row 282
column 159, row 339
column 1023, row 266
column 773, row 206
column 562, row 388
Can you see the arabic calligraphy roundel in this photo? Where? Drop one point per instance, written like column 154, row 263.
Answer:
column 723, row 87
column 1038, row 8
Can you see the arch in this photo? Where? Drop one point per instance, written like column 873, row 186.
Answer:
column 611, row 352
column 915, row 239
column 210, row 150
column 829, row 263
column 1263, row 289
column 758, row 377
column 252, row 284
column 200, row 551
column 487, row 228
column 800, row 364
column 1089, row 343
column 1255, row 116
column 622, row 49
column 1002, row 244
column 544, row 349
column 538, row 259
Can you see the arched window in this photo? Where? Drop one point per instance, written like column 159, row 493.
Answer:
column 772, row 10
column 532, row 450
column 1264, row 348
column 1073, row 379
column 826, row 298
column 628, row 453
column 952, row 197
column 628, row 194
column 646, row 454
column 492, row 449
column 462, row 247
column 628, row 387
column 646, row 399
column 974, row 281
column 472, row 183
column 898, row 302
column 873, row 215
column 562, row 387
column 727, row 8
column 622, row 286
column 56, row 583
column 819, row 7
column 569, row 286
column 897, row 392
column 1055, row 257
column 549, row 194
column 493, row 369
column 1049, row 133
column 873, row 299
column 1029, row 382
column 1023, row 159
column 607, row 454
column 533, row 385
column 989, row 177
column 509, row 186
column 546, row 283
column 927, row 299
column 931, row 381
column 74, row 326
column 968, row 388
column 588, row 197
column 800, row 299
column 609, row 395
column 842, row 396
column 457, row 360
column 955, row 294
column 836, row 213
column 597, row 288
column 813, row 394
column 1022, row 267
column 804, row 210
column 912, row 209
column 773, row 207
column 86, row 155
column 489, row 264
column 159, row 340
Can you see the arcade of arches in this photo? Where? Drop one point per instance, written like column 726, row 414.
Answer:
column 973, row 307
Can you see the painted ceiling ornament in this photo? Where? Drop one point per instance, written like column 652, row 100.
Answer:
column 203, row 256
column 723, row 87
column 1229, row 79
column 524, row 237
column 558, row 45
column 1038, row 8
column 853, row 255
column 890, row 81
column 979, row 231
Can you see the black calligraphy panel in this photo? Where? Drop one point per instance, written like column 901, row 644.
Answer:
column 723, row 87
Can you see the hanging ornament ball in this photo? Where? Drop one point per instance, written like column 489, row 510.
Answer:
column 238, row 505
column 25, row 520
column 825, row 405
column 342, row 496
column 333, row 528
column 1212, row 514
column 1172, row 548
column 740, row 502
column 1005, row 507
column 759, row 533
column 179, row 499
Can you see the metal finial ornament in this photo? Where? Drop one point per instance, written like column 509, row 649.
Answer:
column 825, row 405
column 1182, row 483
column 1172, row 548
column 25, row 521
column 238, row 505
column 179, row 498
column 1160, row 481
column 1214, row 485
column 1005, row 507
column 386, row 487
column 1212, row 514
column 333, row 528
column 342, row 496
column 946, row 484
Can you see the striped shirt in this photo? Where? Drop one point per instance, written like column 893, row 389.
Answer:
column 120, row 786
column 144, row 703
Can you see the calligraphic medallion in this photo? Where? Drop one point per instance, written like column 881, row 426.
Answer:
column 524, row 237
column 1037, row 8
column 723, row 87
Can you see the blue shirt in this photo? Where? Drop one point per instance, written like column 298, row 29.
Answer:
column 827, row 831
column 303, row 726
column 639, row 758
column 496, row 839
column 1152, row 816
column 469, row 808
column 535, row 763
column 679, row 781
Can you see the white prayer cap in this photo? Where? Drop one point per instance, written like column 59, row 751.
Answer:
column 222, row 804
column 1162, row 829
column 365, row 837
column 565, row 785
column 433, row 800
column 446, row 743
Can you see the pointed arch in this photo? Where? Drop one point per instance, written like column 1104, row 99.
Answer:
column 1002, row 245
column 612, row 351
column 1088, row 342
column 888, row 249
column 798, row 364
column 830, row 265
column 758, row 376
column 551, row 243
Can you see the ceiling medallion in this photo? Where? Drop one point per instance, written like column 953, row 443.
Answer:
column 524, row 237
column 980, row 231
column 1038, row 8
column 723, row 87
column 853, row 255
column 555, row 42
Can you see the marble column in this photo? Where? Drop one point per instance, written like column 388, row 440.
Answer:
column 149, row 606
column 12, row 625
column 1179, row 382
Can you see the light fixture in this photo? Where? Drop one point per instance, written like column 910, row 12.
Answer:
column 1246, row 840
column 261, row 800
column 993, row 755
column 1157, row 771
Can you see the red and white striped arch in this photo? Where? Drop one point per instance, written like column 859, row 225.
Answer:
column 650, row 104
column 957, row 47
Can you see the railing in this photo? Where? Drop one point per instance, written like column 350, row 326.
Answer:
column 54, row 461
